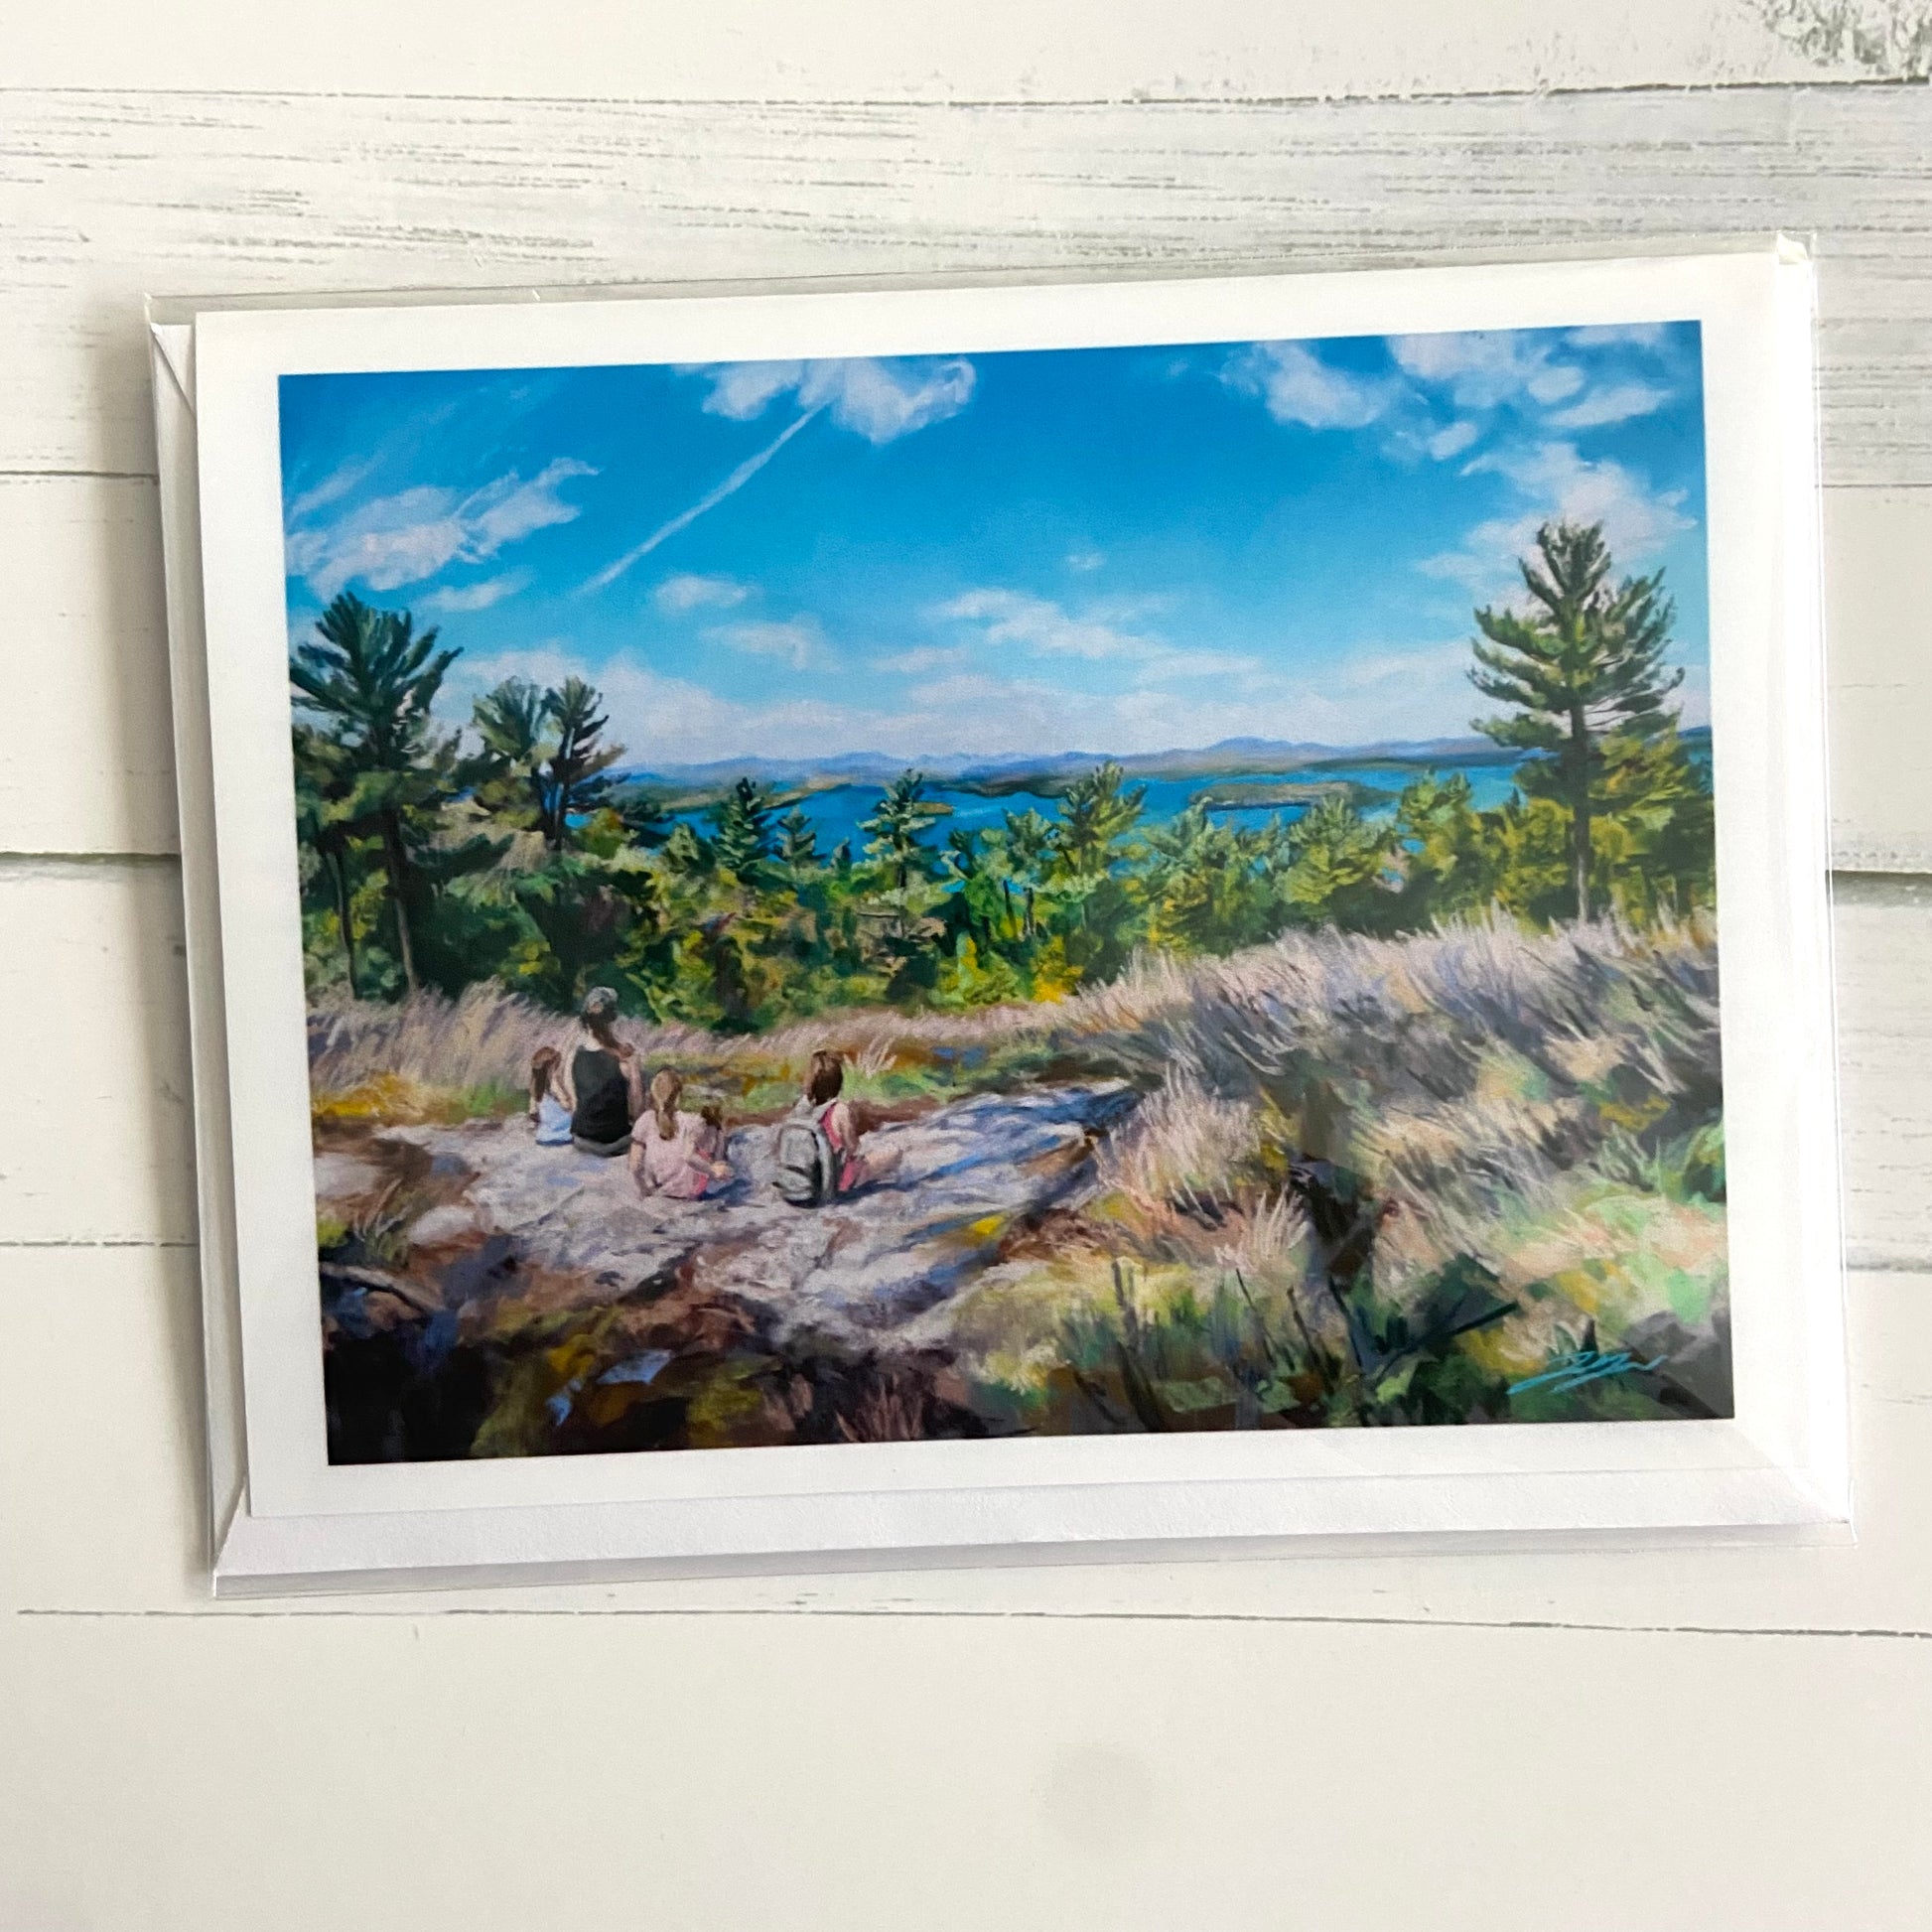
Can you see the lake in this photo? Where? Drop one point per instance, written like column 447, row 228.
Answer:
column 839, row 812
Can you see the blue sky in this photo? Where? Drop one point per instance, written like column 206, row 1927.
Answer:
column 1108, row 550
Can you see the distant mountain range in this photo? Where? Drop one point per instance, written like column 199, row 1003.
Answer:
column 1230, row 758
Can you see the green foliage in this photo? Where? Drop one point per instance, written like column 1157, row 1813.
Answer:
column 1168, row 1356
column 507, row 779
column 1584, row 674
column 371, row 681
column 527, row 862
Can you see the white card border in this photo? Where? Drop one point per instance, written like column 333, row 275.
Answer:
column 1781, row 1461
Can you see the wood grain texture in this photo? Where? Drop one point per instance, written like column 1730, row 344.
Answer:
column 104, row 197
column 1879, row 656
column 102, row 975
column 874, row 49
column 1154, row 1745
column 86, row 654
column 86, row 646
column 92, row 982
column 490, row 1773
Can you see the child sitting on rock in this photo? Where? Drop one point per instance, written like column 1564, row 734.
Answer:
column 673, row 1153
column 550, row 1103
column 824, row 1084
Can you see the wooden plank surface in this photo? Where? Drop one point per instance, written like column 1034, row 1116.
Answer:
column 88, row 652
column 1878, row 655
column 1733, row 1739
column 85, row 639
column 847, row 1775
column 842, row 51
column 106, row 197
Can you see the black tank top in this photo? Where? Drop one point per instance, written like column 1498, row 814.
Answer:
column 603, row 1098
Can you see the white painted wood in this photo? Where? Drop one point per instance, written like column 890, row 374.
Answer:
column 97, row 969
column 874, row 49
column 86, row 648
column 841, row 1775
column 93, row 1006
column 84, row 642
column 106, row 1433
column 1884, row 967
column 1879, row 645
column 1153, row 1745
column 106, row 195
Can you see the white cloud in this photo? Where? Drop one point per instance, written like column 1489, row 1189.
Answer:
column 1483, row 368
column 666, row 720
column 1452, row 441
column 1638, row 522
column 1172, row 664
column 798, row 641
column 1084, row 560
column 1423, row 664
column 921, row 658
column 1298, row 387
column 878, row 400
column 679, row 595
column 331, row 490
column 1693, row 696
column 1617, row 403
column 1556, row 483
column 478, row 597
column 1618, row 335
column 397, row 540
column 1019, row 617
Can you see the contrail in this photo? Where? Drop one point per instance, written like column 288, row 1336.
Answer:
column 737, row 479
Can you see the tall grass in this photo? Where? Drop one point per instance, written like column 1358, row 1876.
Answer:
column 1577, row 1004
column 1521, row 1125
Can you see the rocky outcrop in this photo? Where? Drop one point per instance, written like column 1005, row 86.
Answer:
column 966, row 1173
column 480, row 1243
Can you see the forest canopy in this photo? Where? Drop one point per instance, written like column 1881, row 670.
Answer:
column 517, row 850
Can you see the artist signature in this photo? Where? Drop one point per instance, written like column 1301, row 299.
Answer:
column 1584, row 1365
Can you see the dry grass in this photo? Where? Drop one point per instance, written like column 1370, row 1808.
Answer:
column 1562, row 1001
column 485, row 1039
column 1185, row 1147
column 1488, row 1081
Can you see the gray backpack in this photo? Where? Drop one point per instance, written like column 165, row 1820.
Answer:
column 807, row 1162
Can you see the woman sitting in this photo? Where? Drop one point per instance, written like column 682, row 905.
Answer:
column 550, row 1101
column 824, row 1084
column 674, row 1153
column 607, row 1079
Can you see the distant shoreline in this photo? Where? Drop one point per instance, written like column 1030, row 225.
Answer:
column 1047, row 776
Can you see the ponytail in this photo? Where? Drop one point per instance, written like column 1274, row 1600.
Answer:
column 665, row 1089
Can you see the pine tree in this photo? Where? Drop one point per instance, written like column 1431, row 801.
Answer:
column 895, row 826
column 743, row 816
column 1029, row 842
column 797, row 843
column 327, row 823
column 574, row 776
column 372, row 679
column 1582, row 666
column 1097, row 812
column 510, row 721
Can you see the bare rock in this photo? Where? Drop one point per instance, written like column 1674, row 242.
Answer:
column 967, row 1173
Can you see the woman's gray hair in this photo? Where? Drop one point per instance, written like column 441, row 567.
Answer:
column 601, row 1002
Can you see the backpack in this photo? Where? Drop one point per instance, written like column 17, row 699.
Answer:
column 807, row 1162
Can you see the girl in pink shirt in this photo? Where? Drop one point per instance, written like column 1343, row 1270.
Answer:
column 673, row 1153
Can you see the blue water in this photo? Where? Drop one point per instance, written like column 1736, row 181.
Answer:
column 839, row 813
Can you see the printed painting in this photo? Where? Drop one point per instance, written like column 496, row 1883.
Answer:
column 1087, row 890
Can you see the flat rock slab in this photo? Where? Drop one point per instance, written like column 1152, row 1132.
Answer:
column 968, row 1173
